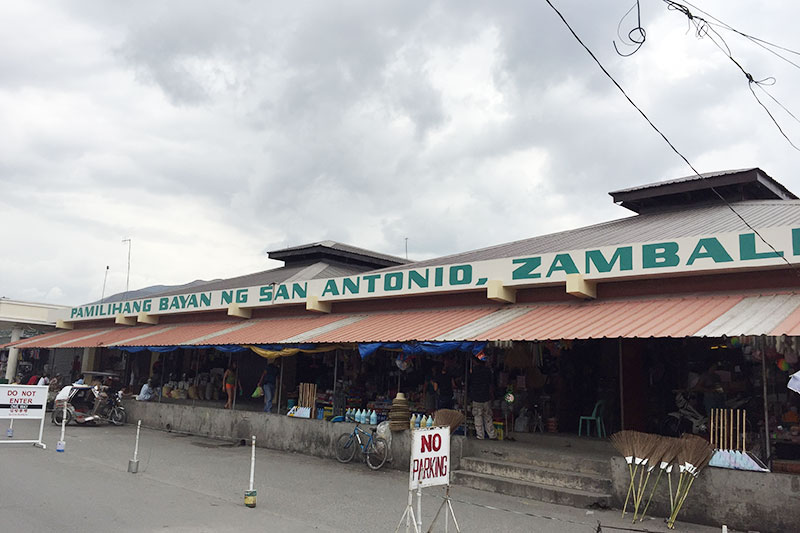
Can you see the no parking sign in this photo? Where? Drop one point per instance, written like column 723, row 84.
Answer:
column 430, row 457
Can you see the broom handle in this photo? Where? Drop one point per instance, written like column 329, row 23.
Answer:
column 744, row 432
column 671, row 499
column 641, row 494
column 650, row 498
column 731, row 429
column 738, row 427
column 674, row 515
column 630, row 487
column 711, row 428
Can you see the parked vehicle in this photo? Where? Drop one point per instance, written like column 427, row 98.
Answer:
column 686, row 419
column 374, row 449
column 87, row 404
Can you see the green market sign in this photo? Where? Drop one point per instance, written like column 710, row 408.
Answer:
column 719, row 253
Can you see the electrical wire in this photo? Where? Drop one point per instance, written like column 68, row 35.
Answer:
column 706, row 29
column 637, row 36
column 663, row 136
column 762, row 42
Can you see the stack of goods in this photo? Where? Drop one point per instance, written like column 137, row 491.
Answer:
column 399, row 413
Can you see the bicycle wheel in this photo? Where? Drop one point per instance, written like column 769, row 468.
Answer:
column 345, row 447
column 377, row 452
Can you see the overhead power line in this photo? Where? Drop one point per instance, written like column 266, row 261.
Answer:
column 663, row 136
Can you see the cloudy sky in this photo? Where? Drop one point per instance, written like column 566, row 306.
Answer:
column 211, row 132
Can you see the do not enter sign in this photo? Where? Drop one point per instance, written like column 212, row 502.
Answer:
column 430, row 457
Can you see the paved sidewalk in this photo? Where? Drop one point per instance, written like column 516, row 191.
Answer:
column 188, row 483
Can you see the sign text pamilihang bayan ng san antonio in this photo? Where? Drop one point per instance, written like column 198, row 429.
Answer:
column 722, row 252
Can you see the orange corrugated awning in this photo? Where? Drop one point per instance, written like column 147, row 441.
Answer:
column 274, row 330
column 58, row 339
column 686, row 316
column 404, row 326
column 662, row 317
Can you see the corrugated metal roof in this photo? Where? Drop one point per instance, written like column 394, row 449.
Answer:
column 33, row 342
column 647, row 227
column 333, row 245
column 73, row 338
column 404, row 326
column 274, row 330
column 320, row 269
column 688, row 316
column 661, row 317
column 484, row 323
column 693, row 177
column 756, row 315
column 178, row 334
column 114, row 335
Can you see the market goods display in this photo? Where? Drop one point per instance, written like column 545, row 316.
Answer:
column 399, row 413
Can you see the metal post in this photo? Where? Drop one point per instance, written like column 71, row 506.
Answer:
column 466, row 396
column 133, row 465
column 621, row 387
column 419, row 508
column 335, row 371
column 136, row 447
column 235, row 383
column 280, row 386
column 163, row 368
column 128, row 278
column 60, row 445
column 767, row 445
column 408, row 515
column 252, row 462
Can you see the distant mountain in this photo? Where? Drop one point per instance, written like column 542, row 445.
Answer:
column 149, row 291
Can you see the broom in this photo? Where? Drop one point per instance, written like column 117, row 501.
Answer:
column 448, row 417
column 662, row 456
column 646, row 445
column 625, row 442
column 696, row 453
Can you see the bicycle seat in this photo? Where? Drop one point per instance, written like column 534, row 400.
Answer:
column 374, row 430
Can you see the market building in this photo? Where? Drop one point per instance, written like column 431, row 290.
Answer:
column 18, row 321
column 617, row 325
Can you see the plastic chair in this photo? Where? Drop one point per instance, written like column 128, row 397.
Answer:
column 597, row 418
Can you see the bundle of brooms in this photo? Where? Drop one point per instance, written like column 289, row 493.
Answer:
column 645, row 453
column 693, row 455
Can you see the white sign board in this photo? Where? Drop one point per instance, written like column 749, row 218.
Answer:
column 23, row 401
column 430, row 457
column 722, row 252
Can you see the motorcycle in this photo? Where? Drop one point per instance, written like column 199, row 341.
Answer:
column 686, row 419
column 87, row 404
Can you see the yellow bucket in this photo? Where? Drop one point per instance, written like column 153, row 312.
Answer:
column 250, row 498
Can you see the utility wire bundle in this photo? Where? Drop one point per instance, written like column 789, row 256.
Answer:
column 644, row 453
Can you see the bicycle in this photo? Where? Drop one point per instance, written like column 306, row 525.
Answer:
column 375, row 450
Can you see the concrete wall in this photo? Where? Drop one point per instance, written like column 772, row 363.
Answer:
column 277, row 432
column 749, row 501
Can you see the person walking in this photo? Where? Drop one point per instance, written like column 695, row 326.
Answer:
column 480, row 388
column 269, row 378
column 230, row 380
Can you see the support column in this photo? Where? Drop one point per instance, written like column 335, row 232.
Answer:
column 13, row 355
column 87, row 363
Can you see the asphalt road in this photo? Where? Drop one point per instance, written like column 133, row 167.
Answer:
column 194, row 484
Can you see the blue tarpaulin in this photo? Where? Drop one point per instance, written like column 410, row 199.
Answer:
column 162, row 349
column 416, row 348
